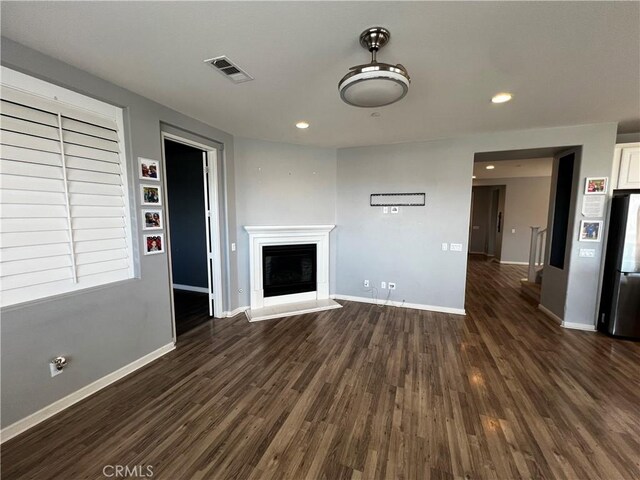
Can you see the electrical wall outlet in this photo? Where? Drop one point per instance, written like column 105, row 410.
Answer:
column 233, row 247
column 456, row 247
column 366, row 283
column 513, row 230
column 445, row 247
column 392, row 286
column 385, row 209
column 383, row 285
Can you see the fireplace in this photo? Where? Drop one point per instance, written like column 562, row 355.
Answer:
column 288, row 269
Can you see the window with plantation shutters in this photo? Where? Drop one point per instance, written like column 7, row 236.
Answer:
column 64, row 212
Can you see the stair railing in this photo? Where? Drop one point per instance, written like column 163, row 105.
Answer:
column 536, row 252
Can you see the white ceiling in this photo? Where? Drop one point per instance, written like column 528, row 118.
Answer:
column 530, row 167
column 565, row 62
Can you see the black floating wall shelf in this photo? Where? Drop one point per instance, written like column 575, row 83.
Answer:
column 397, row 199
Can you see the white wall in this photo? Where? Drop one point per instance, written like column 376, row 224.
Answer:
column 526, row 205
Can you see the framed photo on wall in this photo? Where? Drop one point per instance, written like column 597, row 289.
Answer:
column 148, row 169
column 590, row 230
column 152, row 219
column 595, row 186
column 153, row 244
column 150, row 195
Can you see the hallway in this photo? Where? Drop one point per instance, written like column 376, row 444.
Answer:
column 364, row 392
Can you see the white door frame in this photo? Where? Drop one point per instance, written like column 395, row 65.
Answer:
column 215, row 260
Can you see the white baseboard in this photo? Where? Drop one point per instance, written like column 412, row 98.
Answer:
column 578, row 326
column 59, row 405
column 563, row 324
column 190, row 288
column 508, row 262
column 235, row 312
column 549, row 313
column 415, row 306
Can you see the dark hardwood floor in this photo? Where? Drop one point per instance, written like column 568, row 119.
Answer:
column 191, row 310
column 363, row 392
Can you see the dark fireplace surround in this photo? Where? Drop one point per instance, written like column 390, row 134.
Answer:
column 289, row 269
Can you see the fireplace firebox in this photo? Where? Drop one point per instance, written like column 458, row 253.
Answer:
column 288, row 269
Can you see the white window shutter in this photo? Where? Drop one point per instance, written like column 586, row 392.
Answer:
column 64, row 213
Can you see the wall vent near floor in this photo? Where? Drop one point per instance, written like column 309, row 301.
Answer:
column 229, row 69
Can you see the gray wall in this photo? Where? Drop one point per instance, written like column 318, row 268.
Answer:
column 628, row 137
column 526, row 205
column 555, row 280
column 106, row 328
column 281, row 184
column 405, row 248
column 185, row 192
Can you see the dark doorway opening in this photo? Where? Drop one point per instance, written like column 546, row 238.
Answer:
column 564, row 187
column 188, row 234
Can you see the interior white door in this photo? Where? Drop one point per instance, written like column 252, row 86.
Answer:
column 212, row 223
column 207, row 222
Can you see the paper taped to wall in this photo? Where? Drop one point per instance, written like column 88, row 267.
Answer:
column 593, row 205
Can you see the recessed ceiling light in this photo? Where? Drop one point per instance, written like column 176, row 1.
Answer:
column 302, row 125
column 490, row 167
column 501, row 97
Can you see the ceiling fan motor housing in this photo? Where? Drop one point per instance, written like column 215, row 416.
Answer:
column 373, row 39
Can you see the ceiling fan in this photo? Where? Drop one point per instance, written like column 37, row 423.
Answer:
column 374, row 84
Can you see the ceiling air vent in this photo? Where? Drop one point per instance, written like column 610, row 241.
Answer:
column 229, row 69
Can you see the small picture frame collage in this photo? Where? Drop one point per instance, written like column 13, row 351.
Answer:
column 591, row 230
column 151, row 201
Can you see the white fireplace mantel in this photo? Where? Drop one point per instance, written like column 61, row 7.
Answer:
column 279, row 230
column 286, row 305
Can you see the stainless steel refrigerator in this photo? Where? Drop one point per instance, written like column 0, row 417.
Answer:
column 620, row 300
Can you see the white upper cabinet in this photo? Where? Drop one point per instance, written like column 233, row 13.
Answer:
column 627, row 161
